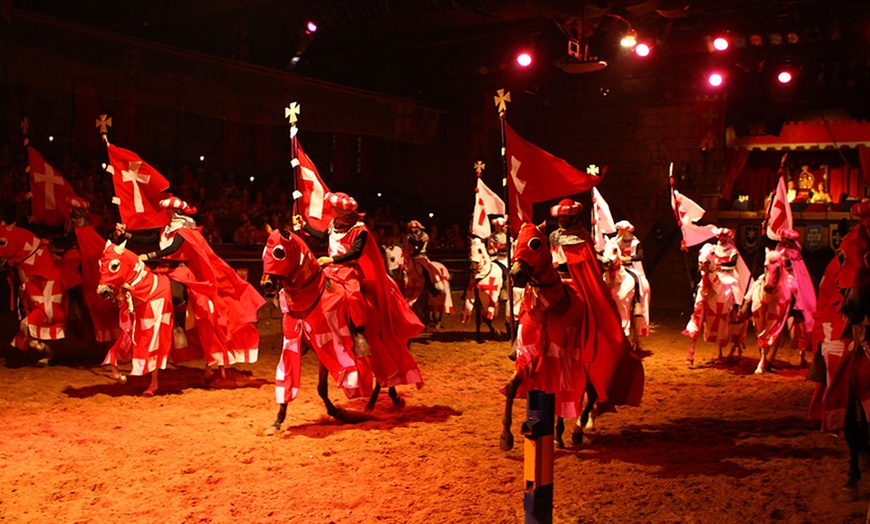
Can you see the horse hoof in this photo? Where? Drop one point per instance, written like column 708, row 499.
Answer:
column 560, row 444
column 690, row 362
column 43, row 362
column 577, row 438
column 513, row 354
column 399, row 402
column 849, row 493
column 506, row 442
column 148, row 392
column 271, row 431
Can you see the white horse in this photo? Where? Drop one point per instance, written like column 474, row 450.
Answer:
column 624, row 286
column 424, row 283
column 769, row 299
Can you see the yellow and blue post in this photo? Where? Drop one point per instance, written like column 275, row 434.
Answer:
column 538, row 457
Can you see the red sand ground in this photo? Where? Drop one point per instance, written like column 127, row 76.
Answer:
column 714, row 444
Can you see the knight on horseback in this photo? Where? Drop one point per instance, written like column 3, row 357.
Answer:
column 632, row 259
column 379, row 314
column 805, row 299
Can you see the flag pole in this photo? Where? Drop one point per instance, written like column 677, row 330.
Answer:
column 291, row 113
column 479, row 166
column 25, row 134
column 781, row 173
column 683, row 247
column 502, row 97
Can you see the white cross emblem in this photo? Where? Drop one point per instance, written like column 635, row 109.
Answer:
column 50, row 180
column 48, row 300
column 518, row 183
column 157, row 318
column 30, row 247
column 134, row 176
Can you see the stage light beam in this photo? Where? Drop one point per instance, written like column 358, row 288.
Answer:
column 720, row 43
column 784, row 77
column 642, row 49
column 524, row 59
column 715, row 79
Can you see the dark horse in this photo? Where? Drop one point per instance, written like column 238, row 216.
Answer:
column 316, row 313
column 557, row 349
column 842, row 397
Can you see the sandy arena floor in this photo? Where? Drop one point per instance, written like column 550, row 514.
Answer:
column 713, row 444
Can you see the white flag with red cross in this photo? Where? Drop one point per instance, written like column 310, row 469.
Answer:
column 138, row 190
column 779, row 215
column 602, row 220
column 50, row 192
column 486, row 203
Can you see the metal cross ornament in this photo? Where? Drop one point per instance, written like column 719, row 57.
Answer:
column 104, row 123
column 592, row 169
column 291, row 112
column 24, row 126
column 479, row 166
column 501, row 99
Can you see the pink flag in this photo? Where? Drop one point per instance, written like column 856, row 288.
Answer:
column 486, row 203
column 311, row 204
column 602, row 220
column 779, row 214
column 535, row 176
column 688, row 212
column 49, row 191
column 138, row 189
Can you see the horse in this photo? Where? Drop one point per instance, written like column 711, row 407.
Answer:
column 717, row 298
column 841, row 398
column 485, row 290
column 315, row 311
column 151, row 328
column 44, row 283
column 769, row 300
column 624, row 286
column 424, row 283
column 560, row 349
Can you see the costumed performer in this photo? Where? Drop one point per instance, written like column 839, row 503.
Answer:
column 631, row 252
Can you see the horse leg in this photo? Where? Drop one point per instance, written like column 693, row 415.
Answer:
column 560, row 428
column 690, row 358
column 586, row 422
column 855, row 431
column 506, row 442
column 478, row 317
column 762, row 360
column 398, row 401
column 117, row 375
column 153, row 387
column 323, row 392
column 370, row 405
column 276, row 426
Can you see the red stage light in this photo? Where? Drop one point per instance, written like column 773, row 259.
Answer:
column 715, row 79
column 524, row 59
column 720, row 43
column 642, row 49
column 784, row 77
column 311, row 27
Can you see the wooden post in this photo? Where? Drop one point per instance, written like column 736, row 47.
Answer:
column 538, row 457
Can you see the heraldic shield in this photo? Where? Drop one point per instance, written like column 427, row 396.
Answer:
column 750, row 238
column 813, row 237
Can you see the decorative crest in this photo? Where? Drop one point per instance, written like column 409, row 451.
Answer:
column 501, row 99
column 291, row 112
column 479, row 166
column 104, row 123
column 25, row 126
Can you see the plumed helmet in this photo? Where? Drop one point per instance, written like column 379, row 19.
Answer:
column 624, row 224
column 173, row 202
column 788, row 233
column 723, row 231
column 498, row 221
column 77, row 202
column 566, row 207
column 861, row 209
column 341, row 202
column 414, row 224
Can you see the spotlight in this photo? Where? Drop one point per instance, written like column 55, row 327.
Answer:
column 310, row 27
column 431, row 215
column 715, row 79
column 642, row 49
column 630, row 39
column 201, row 158
column 720, row 43
column 50, row 138
column 380, row 195
column 784, row 77
column 251, row 179
column 775, row 38
column 524, row 59
column 792, row 38
column 756, row 40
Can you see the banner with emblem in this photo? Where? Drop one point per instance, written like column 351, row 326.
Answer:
column 750, row 238
column 834, row 236
column 813, row 237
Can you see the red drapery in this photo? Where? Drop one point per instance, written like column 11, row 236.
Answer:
column 735, row 166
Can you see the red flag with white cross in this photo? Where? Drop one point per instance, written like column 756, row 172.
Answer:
column 50, row 192
column 138, row 189
column 312, row 206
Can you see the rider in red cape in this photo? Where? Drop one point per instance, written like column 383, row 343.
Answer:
column 377, row 308
column 228, row 334
column 613, row 368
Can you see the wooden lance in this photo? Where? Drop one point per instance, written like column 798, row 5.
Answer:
column 502, row 97
column 291, row 113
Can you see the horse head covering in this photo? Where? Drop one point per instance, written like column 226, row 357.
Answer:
column 723, row 231
column 624, row 224
column 341, row 202
column 175, row 203
column 566, row 207
column 498, row 221
column 789, row 233
column 414, row 224
column 861, row 209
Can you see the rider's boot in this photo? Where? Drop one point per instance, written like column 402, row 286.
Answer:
column 361, row 346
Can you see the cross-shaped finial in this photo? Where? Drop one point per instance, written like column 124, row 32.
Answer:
column 24, row 126
column 501, row 99
column 479, row 166
column 592, row 169
column 291, row 112
column 104, row 123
